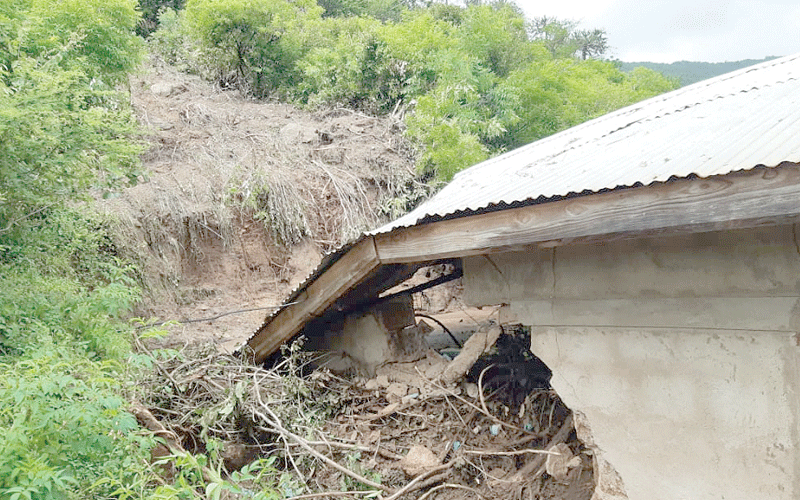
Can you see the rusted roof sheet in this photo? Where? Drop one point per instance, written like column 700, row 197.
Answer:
column 733, row 122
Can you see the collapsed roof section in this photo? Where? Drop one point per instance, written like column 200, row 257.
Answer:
column 719, row 154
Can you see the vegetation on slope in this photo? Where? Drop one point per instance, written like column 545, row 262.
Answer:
column 689, row 72
column 471, row 81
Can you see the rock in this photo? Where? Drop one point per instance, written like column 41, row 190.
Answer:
column 396, row 391
column 559, row 465
column 419, row 460
column 371, row 384
column 165, row 89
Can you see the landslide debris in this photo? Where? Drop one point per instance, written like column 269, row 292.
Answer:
column 241, row 197
column 403, row 434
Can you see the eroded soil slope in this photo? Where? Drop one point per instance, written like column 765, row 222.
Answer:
column 243, row 196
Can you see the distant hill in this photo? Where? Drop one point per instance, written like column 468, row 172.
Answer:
column 688, row 72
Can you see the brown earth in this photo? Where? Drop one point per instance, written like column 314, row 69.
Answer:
column 242, row 197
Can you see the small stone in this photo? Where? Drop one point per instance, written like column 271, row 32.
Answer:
column 419, row 460
column 559, row 465
column 383, row 380
column 396, row 391
column 371, row 385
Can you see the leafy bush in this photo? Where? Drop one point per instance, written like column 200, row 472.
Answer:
column 64, row 284
column 254, row 43
column 384, row 10
column 65, row 431
column 151, row 14
column 173, row 41
column 552, row 95
column 94, row 37
column 496, row 36
column 350, row 65
column 60, row 134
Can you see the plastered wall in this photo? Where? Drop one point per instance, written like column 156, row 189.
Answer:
column 680, row 353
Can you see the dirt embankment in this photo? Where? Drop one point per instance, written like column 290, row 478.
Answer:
column 242, row 197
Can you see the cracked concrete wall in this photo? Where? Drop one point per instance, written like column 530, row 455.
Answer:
column 362, row 341
column 681, row 353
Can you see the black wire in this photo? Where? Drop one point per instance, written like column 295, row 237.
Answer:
column 443, row 327
column 212, row 318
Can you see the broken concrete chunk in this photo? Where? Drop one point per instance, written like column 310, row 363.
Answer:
column 559, row 465
column 419, row 460
column 479, row 343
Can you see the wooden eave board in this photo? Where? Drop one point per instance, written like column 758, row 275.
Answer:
column 743, row 199
column 342, row 275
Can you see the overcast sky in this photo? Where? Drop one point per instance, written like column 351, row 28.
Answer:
column 691, row 30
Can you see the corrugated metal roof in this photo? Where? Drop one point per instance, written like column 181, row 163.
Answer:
column 738, row 121
column 733, row 122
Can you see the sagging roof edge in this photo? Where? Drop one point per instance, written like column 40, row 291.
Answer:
column 745, row 198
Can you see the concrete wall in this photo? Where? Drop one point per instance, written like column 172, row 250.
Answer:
column 386, row 332
column 681, row 354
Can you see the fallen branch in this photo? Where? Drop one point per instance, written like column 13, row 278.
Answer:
column 147, row 420
column 510, row 453
column 473, row 348
column 450, row 485
column 274, row 423
column 331, row 494
column 418, row 482
column 538, row 462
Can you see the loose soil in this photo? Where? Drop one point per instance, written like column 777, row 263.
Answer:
column 242, row 197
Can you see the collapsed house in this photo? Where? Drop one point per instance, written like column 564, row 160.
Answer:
column 654, row 255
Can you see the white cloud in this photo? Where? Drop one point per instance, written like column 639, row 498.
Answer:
column 700, row 30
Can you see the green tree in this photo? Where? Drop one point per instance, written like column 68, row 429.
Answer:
column 590, row 43
column 96, row 38
column 254, row 42
column 496, row 35
column 555, row 34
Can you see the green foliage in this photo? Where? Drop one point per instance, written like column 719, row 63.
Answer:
column 58, row 130
column 384, row 10
column 347, row 66
column 151, row 13
column 174, row 42
column 65, row 431
column 94, row 37
column 63, row 284
column 553, row 95
column 253, row 42
column 689, row 72
column 496, row 35
column 62, row 129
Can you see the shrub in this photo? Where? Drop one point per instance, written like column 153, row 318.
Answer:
column 95, row 37
column 349, row 66
column 65, row 431
column 255, row 43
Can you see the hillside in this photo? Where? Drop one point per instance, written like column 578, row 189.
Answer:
column 689, row 72
column 243, row 197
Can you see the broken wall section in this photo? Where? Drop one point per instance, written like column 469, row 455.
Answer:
column 680, row 354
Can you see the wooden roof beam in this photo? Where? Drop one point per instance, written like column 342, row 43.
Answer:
column 739, row 200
